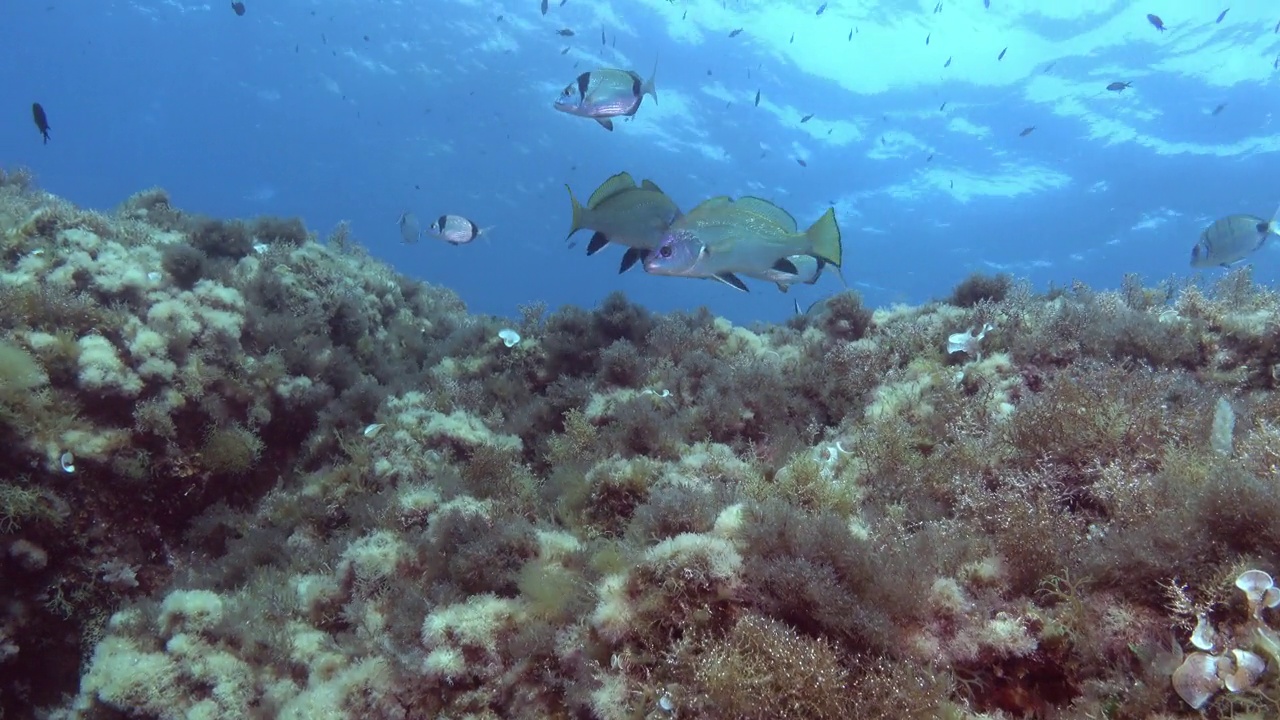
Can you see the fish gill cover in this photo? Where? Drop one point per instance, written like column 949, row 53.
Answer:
column 252, row 470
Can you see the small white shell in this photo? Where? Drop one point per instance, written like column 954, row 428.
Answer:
column 509, row 337
column 665, row 703
column 1248, row 668
column 261, row 247
column 67, row 462
column 37, row 252
column 373, row 429
column 1204, row 636
column 154, row 276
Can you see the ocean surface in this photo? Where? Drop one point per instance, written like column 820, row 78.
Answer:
column 362, row 111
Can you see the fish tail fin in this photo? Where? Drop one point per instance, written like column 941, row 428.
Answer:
column 650, row 86
column 578, row 214
column 824, row 238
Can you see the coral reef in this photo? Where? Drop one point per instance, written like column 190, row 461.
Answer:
column 252, row 474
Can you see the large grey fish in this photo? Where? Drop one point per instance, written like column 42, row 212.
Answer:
column 607, row 93
column 1231, row 239
column 410, row 230
column 622, row 213
column 722, row 237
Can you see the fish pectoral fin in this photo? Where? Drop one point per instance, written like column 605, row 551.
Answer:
column 598, row 241
column 786, row 266
column 631, row 257
column 784, row 287
column 733, row 281
column 605, row 123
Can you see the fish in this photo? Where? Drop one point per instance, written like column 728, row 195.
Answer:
column 602, row 40
column 565, row 32
column 42, row 121
column 927, row 38
column 410, row 229
column 1156, row 22
column 792, row 40
column 1027, row 131
column 238, row 7
column 735, row 33
column 851, row 34
column 1222, row 15
column 944, row 107
column 1277, row 30
column 1231, row 239
column 1219, row 109
column 1001, row 55
column 721, row 237
column 806, row 118
column 947, row 64
column 1119, row 86
column 801, row 162
column 821, row 9
column 986, row 4
column 607, row 93
column 757, row 98
column 544, row 7
column 621, row 212
column 456, row 230
column 808, row 270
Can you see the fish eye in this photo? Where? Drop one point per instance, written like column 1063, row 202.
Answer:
column 665, row 251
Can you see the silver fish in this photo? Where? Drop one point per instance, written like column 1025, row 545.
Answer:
column 622, row 213
column 607, row 93
column 1231, row 239
column 456, row 230
column 410, row 230
column 721, row 237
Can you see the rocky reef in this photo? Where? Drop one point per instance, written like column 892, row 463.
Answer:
column 250, row 473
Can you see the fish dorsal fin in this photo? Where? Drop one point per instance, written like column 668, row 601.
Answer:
column 650, row 185
column 764, row 208
column 619, row 183
column 712, row 202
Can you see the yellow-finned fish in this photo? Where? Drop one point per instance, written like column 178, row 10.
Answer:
column 607, row 93
column 722, row 237
column 621, row 212
column 1231, row 239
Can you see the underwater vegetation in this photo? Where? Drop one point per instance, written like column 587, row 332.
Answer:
column 253, row 473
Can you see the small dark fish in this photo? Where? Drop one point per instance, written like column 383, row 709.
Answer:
column 927, row 38
column 1118, row 86
column 944, row 107
column 544, row 7
column 42, row 121
column 1156, row 22
column 735, row 33
column 1001, row 55
column 792, row 40
column 238, row 7
column 1049, row 67
column 1027, row 131
column 802, row 162
column 1277, row 30
column 565, row 51
column 602, row 40
column 325, row 41
column 562, row 2
column 1222, row 15
column 821, row 9
column 757, row 98
column 947, row 63
column 851, row 32
column 565, row 32
column 930, row 158
column 366, row 38
column 1219, row 109
column 806, row 118
column 986, row 4
column 952, row 183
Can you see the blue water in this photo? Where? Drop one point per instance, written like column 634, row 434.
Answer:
column 445, row 109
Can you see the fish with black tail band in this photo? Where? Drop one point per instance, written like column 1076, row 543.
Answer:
column 621, row 212
column 456, row 230
column 722, row 237
column 607, row 93
column 1231, row 239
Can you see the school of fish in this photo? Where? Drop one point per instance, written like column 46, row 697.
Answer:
column 726, row 239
